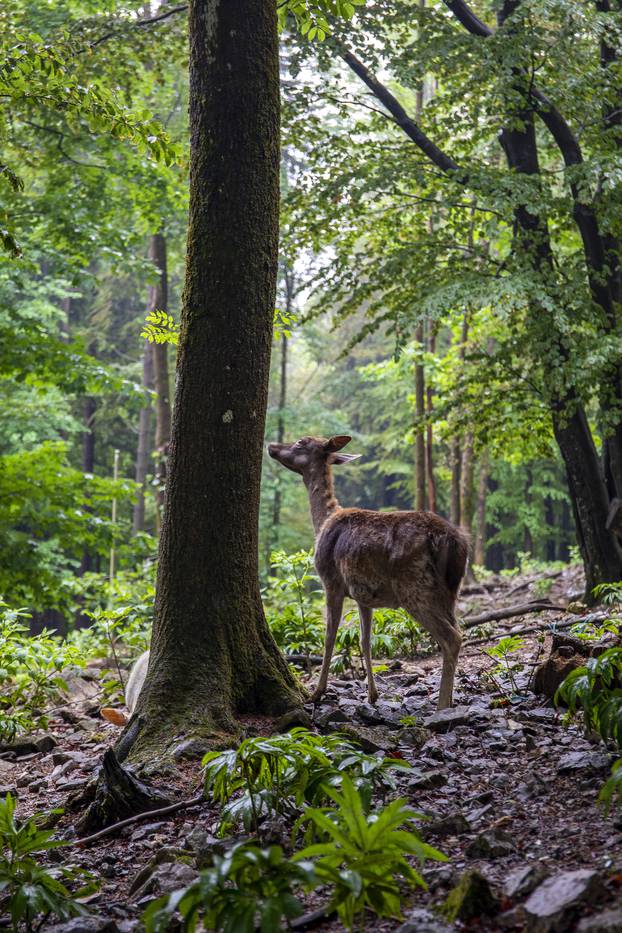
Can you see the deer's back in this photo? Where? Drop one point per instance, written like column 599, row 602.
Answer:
column 391, row 558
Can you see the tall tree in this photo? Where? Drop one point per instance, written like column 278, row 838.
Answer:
column 212, row 655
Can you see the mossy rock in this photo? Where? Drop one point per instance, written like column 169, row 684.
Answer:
column 472, row 897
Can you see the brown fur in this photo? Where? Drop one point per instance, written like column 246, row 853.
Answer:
column 413, row 560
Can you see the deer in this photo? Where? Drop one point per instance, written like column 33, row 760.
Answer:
column 413, row 560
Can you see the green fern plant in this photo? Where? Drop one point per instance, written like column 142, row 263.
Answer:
column 364, row 856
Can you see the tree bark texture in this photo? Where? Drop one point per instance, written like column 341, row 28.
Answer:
column 212, row 654
column 159, row 302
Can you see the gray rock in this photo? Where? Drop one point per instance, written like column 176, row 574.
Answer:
column 426, row 780
column 61, row 757
column 423, row 921
column 371, row 738
column 522, row 881
column 551, row 908
column 144, row 831
column 190, row 748
column 84, row 925
column 36, row 786
column 491, row 844
column 164, row 879
column 45, row 743
column 453, row 825
column 444, row 720
column 582, row 761
column 294, row 717
column 610, row 921
column 8, row 789
column 329, row 716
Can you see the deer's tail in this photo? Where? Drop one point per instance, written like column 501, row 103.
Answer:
column 451, row 559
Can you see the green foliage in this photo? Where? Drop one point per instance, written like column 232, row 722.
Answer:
column 507, row 666
column 609, row 593
column 312, row 17
column 247, row 889
column 160, row 327
column 282, row 773
column 32, row 673
column 596, row 690
column 293, row 603
column 52, row 512
column 364, row 857
column 29, row 891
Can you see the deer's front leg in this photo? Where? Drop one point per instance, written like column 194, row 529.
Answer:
column 334, row 605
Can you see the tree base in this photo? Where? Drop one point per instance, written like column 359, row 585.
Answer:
column 118, row 795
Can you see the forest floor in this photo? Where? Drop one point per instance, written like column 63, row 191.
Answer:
column 509, row 790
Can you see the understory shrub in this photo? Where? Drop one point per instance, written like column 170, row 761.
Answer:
column 595, row 689
column 30, row 892
column 32, row 672
column 282, row 773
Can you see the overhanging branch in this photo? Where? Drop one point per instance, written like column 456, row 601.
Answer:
column 401, row 117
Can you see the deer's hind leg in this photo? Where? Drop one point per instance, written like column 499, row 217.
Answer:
column 441, row 624
column 334, row 605
column 366, row 616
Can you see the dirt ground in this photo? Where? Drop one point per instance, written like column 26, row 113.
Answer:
column 505, row 784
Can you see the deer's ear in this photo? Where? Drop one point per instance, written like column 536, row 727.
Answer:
column 342, row 458
column 337, row 442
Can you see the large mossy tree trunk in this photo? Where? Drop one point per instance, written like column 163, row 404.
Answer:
column 212, row 655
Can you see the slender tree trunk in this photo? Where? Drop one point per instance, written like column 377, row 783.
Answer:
column 429, row 441
column 88, row 461
column 143, row 450
column 466, row 484
column 420, row 478
column 159, row 302
column 479, row 550
column 454, row 493
column 280, row 434
column 212, row 655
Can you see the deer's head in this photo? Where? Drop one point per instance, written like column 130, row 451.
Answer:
column 312, row 452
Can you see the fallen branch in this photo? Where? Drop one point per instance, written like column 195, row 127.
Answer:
column 496, row 615
column 163, row 811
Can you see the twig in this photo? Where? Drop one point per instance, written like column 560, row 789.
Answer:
column 163, row 811
column 312, row 919
column 496, row 615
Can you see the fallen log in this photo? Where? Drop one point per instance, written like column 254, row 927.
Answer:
column 508, row 612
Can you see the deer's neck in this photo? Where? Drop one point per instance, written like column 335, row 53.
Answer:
column 319, row 483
